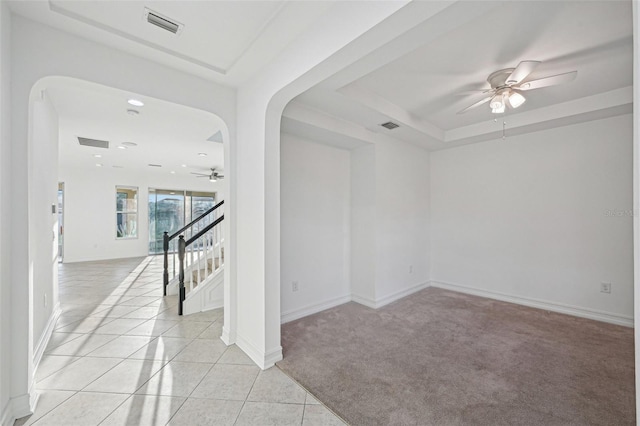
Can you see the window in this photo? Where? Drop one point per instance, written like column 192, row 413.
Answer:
column 170, row 210
column 126, row 212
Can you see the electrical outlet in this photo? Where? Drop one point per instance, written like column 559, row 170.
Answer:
column 294, row 286
column 605, row 287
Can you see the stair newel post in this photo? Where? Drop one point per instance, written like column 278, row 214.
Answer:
column 181, row 251
column 165, row 273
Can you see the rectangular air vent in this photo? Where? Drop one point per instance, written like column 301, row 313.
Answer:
column 155, row 165
column 93, row 142
column 162, row 21
column 390, row 125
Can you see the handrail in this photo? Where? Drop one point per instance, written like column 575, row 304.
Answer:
column 204, row 231
column 172, row 236
column 166, row 238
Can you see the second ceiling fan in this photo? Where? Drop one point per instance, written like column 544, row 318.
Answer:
column 213, row 176
column 507, row 85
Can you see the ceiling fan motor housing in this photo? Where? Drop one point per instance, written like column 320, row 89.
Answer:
column 498, row 79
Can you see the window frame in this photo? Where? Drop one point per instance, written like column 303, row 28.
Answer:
column 126, row 211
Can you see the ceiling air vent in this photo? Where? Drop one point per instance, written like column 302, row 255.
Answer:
column 93, row 142
column 155, row 165
column 216, row 137
column 390, row 125
column 162, row 21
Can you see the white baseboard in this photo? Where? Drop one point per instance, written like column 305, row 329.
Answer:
column 6, row 415
column 46, row 336
column 369, row 303
column 540, row 304
column 228, row 337
column 264, row 360
column 307, row 310
column 271, row 357
column 18, row 407
column 385, row 300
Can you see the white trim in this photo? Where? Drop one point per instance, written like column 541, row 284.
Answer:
column 46, row 336
column 540, row 304
column 264, row 360
column 385, row 300
column 307, row 310
column 6, row 415
column 229, row 338
column 271, row 357
column 369, row 303
column 19, row 407
column 196, row 300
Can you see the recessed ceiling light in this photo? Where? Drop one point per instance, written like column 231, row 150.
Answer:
column 135, row 102
column 122, row 147
column 129, row 144
column 97, row 155
column 98, row 165
column 132, row 112
column 184, row 165
column 202, row 154
column 172, row 172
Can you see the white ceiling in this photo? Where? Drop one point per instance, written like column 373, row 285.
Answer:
column 224, row 41
column 413, row 80
column 456, row 50
column 166, row 134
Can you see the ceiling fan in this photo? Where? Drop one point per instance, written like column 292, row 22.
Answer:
column 507, row 85
column 213, row 176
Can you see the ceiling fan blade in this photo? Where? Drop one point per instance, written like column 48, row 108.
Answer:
column 521, row 72
column 549, row 81
column 477, row 104
column 199, row 174
column 474, row 92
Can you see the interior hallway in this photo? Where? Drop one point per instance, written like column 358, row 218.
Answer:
column 120, row 355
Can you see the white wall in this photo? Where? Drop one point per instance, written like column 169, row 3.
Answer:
column 90, row 217
column 527, row 217
column 402, row 219
column 43, row 193
column 5, row 221
column 344, row 34
column 390, row 222
column 363, row 222
column 315, row 216
column 37, row 53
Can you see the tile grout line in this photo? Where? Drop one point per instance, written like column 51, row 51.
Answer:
column 53, row 408
column 245, row 399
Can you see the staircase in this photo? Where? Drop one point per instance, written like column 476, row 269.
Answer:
column 196, row 254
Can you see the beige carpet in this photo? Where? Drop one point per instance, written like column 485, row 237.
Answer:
column 444, row 358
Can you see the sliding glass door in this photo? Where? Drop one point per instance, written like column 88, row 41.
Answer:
column 170, row 210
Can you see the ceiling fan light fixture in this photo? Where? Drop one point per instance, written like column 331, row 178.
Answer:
column 516, row 99
column 496, row 102
column 498, row 110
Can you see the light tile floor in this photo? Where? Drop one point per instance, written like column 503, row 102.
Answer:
column 120, row 355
